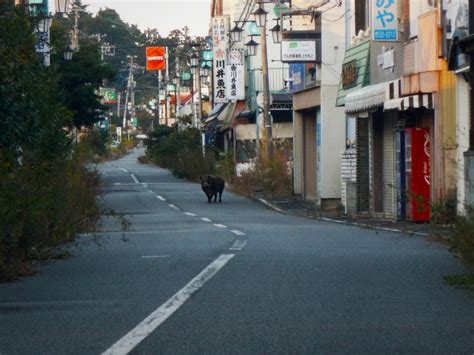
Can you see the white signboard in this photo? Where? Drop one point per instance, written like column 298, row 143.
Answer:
column 298, row 51
column 235, row 75
column 220, row 31
column 385, row 20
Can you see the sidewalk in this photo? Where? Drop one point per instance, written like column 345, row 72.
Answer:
column 308, row 210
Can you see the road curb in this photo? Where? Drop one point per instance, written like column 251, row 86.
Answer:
column 347, row 223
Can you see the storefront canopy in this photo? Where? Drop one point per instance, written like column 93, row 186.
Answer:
column 410, row 102
column 366, row 98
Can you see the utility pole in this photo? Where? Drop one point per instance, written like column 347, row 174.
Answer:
column 266, row 91
column 129, row 91
column 178, row 98
column 75, row 30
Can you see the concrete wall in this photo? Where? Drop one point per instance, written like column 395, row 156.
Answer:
column 462, row 138
column 332, row 117
column 333, row 142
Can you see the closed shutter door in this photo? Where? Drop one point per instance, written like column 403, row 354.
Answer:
column 389, row 168
column 362, row 170
column 309, row 157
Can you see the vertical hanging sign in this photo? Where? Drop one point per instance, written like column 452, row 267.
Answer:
column 220, row 30
column 235, row 75
column 385, row 20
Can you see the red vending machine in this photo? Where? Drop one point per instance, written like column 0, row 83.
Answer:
column 418, row 173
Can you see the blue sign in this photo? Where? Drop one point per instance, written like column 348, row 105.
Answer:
column 385, row 20
column 297, row 76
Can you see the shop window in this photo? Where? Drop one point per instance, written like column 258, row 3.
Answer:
column 350, row 133
column 361, row 15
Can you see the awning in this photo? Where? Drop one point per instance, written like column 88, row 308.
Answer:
column 223, row 118
column 366, row 98
column 215, row 112
column 411, row 102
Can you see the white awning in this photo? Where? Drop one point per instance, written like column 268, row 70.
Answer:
column 366, row 98
column 413, row 101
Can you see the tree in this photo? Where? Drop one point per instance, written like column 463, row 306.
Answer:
column 81, row 78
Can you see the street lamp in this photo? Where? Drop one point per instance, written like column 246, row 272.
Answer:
column 194, row 60
column 260, row 15
column 276, row 32
column 251, row 46
column 206, row 70
column 68, row 52
column 62, row 6
column 236, row 33
column 176, row 79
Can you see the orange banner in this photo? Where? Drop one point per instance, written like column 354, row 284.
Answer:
column 155, row 58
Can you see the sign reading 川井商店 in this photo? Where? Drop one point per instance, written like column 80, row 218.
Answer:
column 385, row 20
column 155, row 58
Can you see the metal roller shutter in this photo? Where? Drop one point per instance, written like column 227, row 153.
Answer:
column 389, row 168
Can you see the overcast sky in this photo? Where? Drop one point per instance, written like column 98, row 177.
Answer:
column 165, row 15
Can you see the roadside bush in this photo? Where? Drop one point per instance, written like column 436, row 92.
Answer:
column 463, row 238
column 181, row 152
column 44, row 205
column 270, row 176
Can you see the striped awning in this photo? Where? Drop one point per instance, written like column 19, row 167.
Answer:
column 410, row 102
column 366, row 98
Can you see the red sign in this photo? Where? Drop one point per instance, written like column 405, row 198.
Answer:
column 155, row 58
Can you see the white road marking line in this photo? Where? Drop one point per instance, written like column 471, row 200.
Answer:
column 126, row 344
column 125, row 170
column 145, row 185
column 135, row 179
column 161, row 198
column 237, row 232
column 238, row 245
column 220, row 225
column 117, row 183
column 173, row 206
column 190, row 214
column 206, row 219
column 155, row 256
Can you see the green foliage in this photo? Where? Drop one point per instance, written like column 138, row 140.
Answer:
column 443, row 212
column 81, row 78
column 46, row 194
column 461, row 280
column 462, row 242
column 270, row 176
column 181, row 152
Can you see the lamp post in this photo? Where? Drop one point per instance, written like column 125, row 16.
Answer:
column 177, row 82
column 62, row 6
column 261, row 19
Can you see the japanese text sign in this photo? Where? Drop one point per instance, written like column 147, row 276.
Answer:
column 235, row 75
column 385, row 20
column 298, row 51
column 155, row 58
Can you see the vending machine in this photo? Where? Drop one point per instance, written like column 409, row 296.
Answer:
column 418, row 174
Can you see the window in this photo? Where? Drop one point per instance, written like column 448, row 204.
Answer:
column 361, row 15
column 350, row 132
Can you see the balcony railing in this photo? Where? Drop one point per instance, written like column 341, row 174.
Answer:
column 276, row 77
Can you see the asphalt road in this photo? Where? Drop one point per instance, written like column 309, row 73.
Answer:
column 236, row 277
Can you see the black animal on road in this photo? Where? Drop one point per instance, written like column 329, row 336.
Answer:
column 212, row 185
